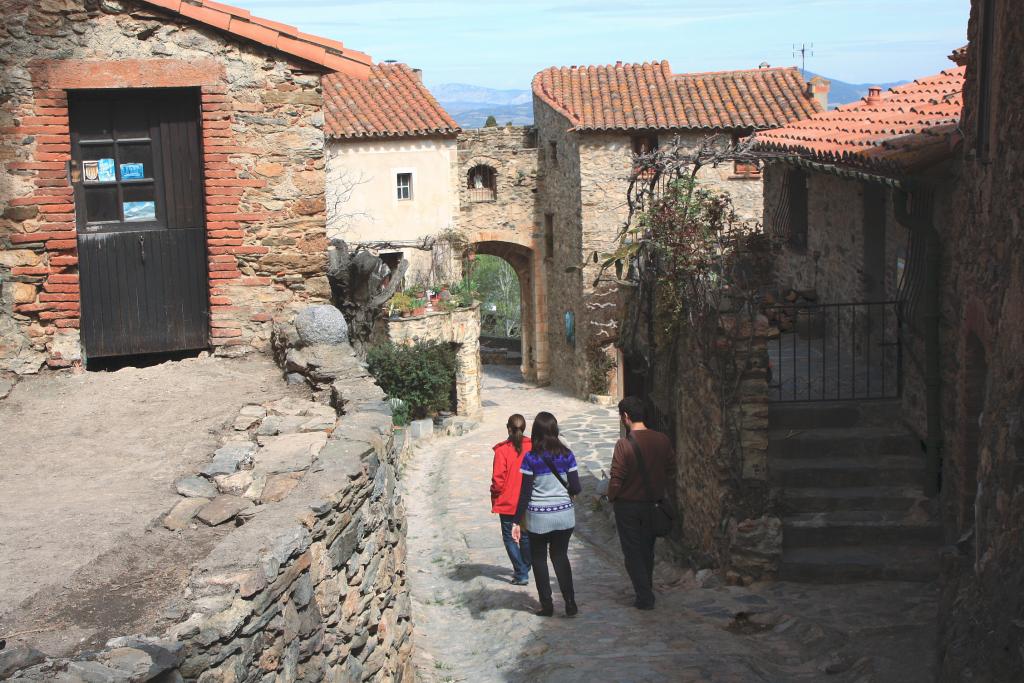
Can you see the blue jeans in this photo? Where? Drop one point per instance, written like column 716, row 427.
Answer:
column 519, row 553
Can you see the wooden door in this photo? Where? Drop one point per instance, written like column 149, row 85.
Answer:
column 140, row 218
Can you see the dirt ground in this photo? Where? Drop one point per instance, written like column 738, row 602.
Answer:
column 87, row 468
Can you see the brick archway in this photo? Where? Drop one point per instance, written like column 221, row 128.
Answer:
column 520, row 254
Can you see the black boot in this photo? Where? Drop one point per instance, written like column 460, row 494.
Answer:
column 571, row 609
column 547, row 609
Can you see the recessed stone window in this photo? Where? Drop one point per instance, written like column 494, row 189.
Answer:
column 644, row 144
column 549, row 235
column 482, row 183
column 745, row 168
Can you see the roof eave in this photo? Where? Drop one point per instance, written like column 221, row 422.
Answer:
column 360, row 137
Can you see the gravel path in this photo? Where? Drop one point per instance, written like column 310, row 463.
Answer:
column 473, row 625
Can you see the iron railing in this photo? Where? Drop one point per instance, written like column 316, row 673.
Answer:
column 482, row 194
column 835, row 352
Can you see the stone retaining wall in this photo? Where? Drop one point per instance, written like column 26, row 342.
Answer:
column 460, row 327
column 309, row 586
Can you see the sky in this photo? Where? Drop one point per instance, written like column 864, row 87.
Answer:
column 502, row 44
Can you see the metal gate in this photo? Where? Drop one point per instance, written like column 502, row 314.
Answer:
column 835, row 352
column 140, row 218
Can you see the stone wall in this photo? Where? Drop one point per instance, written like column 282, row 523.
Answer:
column 983, row 385
column 310, row 584
column 559, row 196
column 747, row 191
column 832, row 264
column 716, row 412
column 263, row 161
column 512, row 152
column 460, row 327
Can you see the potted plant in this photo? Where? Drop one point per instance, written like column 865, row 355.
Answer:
column 402, row 303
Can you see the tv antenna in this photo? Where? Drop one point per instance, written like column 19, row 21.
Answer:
column 804, row 51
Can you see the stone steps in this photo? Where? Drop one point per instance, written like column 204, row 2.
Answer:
column 824, row 442
column 829, row 415
column 882, row 498
column 838, row 564
column 849, row 482
column 845, row 472
column 859, row 527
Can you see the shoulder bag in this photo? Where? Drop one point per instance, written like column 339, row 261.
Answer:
column 662, row 516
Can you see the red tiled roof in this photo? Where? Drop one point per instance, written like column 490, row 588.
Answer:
column 392, row 102
column 330, row 54
column 908, row 127
column 650, row 96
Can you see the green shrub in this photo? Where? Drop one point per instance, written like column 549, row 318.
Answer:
column 421, row 375
column 399, row 412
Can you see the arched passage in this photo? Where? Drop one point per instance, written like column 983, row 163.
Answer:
column 522, row 258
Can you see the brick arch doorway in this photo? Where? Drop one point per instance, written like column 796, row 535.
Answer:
column 533, row 317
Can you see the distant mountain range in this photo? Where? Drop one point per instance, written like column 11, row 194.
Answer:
column 470, row 105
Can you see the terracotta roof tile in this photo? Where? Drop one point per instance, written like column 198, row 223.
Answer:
column 329, row 54
column 907, row 127
column 393, row 102
column 650, row 96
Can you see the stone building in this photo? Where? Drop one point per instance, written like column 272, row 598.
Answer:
column 590, row 121
column 862, row 208
column 391, row 167
column 927, row 213
column 164, row 176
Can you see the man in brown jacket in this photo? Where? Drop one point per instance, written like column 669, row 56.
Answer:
column 633, row 498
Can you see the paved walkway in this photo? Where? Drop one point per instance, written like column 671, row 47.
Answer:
column 473, row 625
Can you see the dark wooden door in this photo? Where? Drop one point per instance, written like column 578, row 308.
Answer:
column 141, row 231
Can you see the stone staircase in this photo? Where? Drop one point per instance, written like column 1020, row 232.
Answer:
column 849, row 481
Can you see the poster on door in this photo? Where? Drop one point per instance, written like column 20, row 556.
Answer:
column 139, row 211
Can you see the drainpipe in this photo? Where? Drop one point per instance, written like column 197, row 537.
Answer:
column 915, row 211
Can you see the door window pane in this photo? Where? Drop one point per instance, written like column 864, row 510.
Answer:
column 131, row 157
column 131, row 120
column 98, row 164
column 139, row 203
column 94, row 121
column 101, row 204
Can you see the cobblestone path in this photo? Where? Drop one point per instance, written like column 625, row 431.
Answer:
column 473, row 625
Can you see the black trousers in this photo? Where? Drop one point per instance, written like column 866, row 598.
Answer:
column 555, row 543
column 633, row 521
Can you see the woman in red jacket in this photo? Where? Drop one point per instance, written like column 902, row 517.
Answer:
column 506, row 481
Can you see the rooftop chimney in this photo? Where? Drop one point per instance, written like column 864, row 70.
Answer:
column 818, row 88
column 874, row 94
column 418, row 73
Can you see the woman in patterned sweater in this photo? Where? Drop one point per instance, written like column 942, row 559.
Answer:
column 550, row 480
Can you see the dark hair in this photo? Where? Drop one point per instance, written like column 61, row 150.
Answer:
column 633, row 408
column 516, row 428
column 544, row 435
